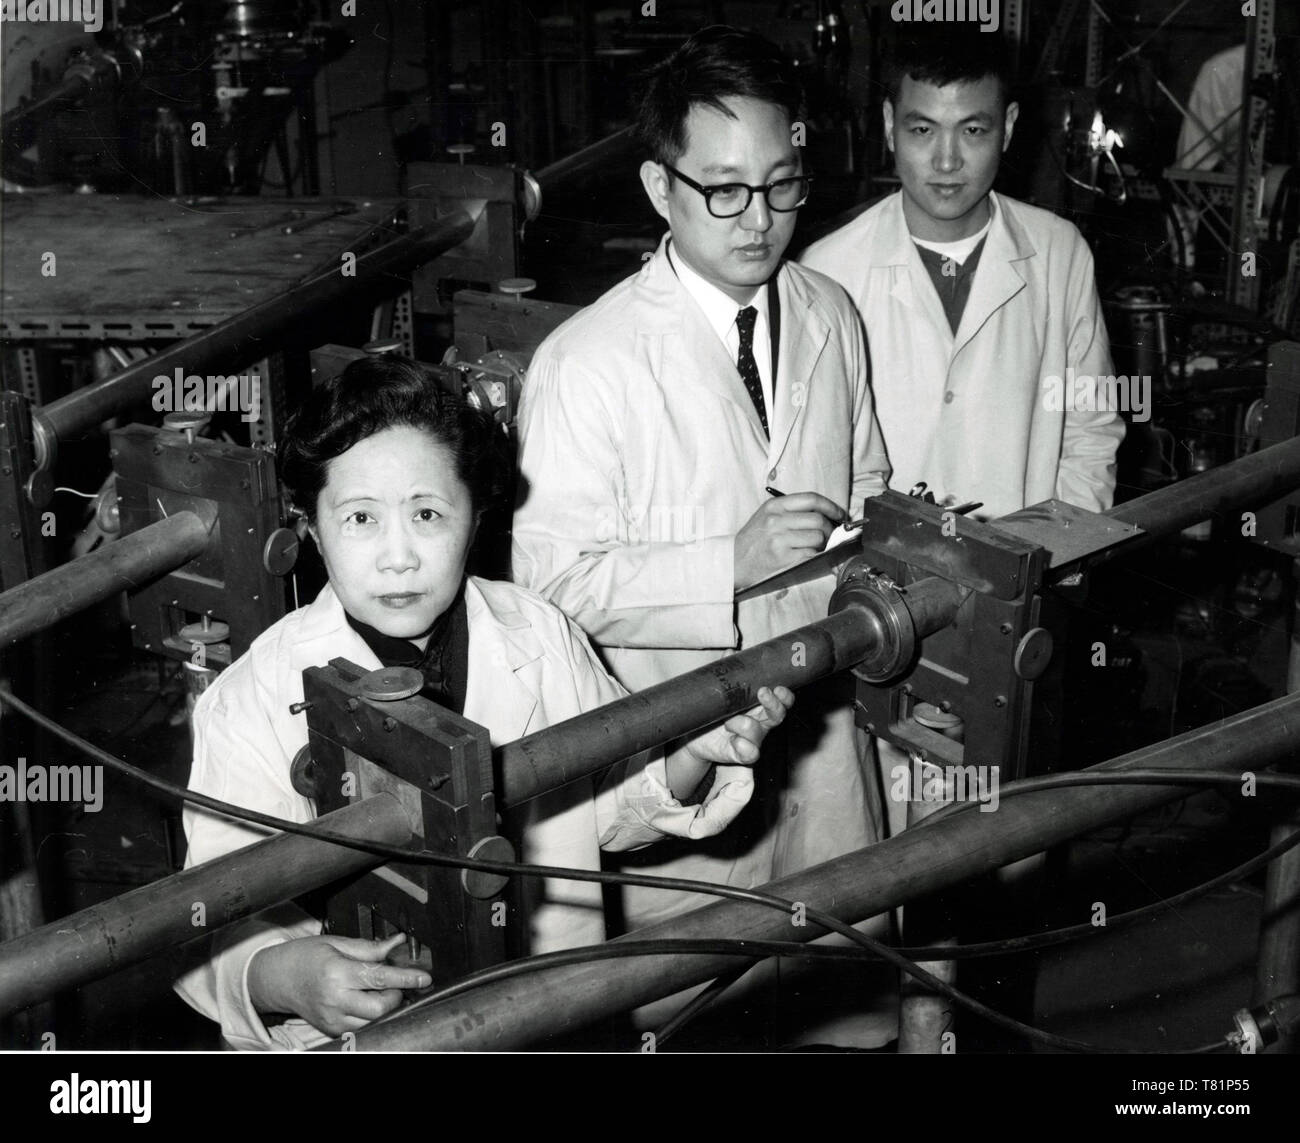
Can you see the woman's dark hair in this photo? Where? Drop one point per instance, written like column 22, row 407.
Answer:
column 716, row 63
column 383, row 392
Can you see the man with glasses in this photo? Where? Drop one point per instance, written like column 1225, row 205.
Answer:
column 703, row 426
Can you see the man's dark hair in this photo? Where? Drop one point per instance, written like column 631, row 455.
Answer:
column 714, row 64
column 948, row 53
column 384, row 392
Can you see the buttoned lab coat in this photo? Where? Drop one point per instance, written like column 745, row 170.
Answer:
column 970, row 414
column 528, row 667
column 641, row 457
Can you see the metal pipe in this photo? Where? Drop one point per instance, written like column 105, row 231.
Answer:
column 133, row 927
column 590, row 742
column 918, row 862
column 241, row 338
column 1262, row 476
column 554, row 176
column 137, row 558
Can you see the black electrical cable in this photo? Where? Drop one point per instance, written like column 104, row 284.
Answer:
column 712, row 946
column 1130, row 776
column 749, row 896
column 1115, row 921
column 704, row 998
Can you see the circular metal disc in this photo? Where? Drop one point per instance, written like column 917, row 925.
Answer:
column 481, row 885
column 388, row 684
column 280, row 552
column 302, row 773
column 215, row 632
column 1034, row 653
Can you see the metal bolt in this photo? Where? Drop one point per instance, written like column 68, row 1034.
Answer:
column 1005, row 628
column 299, row 707
column 390, row 723
column 1000, row 701
column 352, row 704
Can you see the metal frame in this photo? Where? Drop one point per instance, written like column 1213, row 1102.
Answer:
column 158, row 471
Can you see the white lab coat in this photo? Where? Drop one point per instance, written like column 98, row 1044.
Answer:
column 528, row 667
column 641, row 457
column 968, row 414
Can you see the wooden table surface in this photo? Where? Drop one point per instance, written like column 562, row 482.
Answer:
column 147, row 268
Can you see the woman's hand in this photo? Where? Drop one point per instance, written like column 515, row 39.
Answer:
column 738, row 740
column 336, row 984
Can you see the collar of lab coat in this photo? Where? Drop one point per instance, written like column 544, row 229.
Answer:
column 498, row 636
column 689, row 346
column 997, row 280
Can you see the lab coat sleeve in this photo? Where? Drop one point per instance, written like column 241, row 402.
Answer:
column 1086, row 475
column 634, row 805
column 870, row 463
column 575, row 541
column 235, row 763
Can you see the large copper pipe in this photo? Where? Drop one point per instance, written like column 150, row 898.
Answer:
column 133, row 927
column 518, row 1012
column 1262, row 476
column 135, row 559
column 592, row 741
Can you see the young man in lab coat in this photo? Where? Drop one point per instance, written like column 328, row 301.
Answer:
column 982, row 315
column 702, row 426
column 981, row 311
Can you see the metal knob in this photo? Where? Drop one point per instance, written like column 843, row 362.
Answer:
column 186, row 421
column 388, row 684
column 516, row 287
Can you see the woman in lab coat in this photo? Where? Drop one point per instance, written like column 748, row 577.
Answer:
column 394, row 476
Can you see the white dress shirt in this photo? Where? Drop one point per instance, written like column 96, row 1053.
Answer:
column 721, row 311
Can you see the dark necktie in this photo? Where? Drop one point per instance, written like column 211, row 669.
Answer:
column 745, row 362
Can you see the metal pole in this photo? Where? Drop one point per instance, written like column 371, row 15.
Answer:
column 1264, row 475
column 242, row 338
column 135, row 559
column 128, row 929
column 590, row 742
column 515, row 1013
column 559, row 175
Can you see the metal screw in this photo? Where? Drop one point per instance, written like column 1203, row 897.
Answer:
column 390, row 723
column 1000, row 701
column 299, row 707
column 1005, row 628
column 352, row 704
